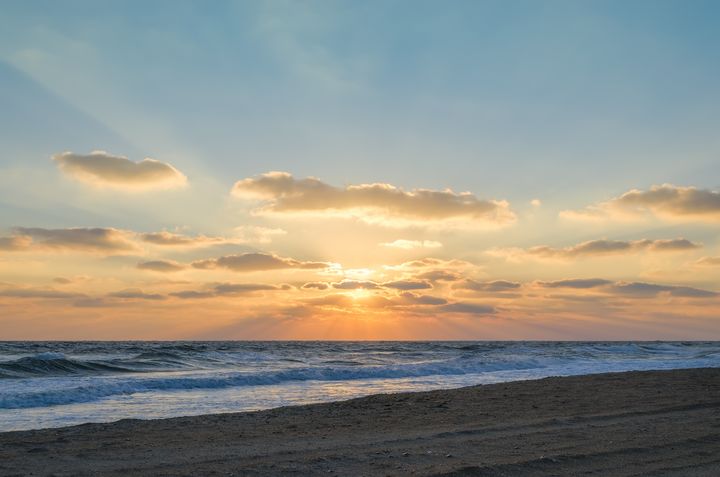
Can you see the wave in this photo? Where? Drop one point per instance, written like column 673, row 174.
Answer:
column 86, row 374
column 119, row 386
column 50, row 364
column 55, row 364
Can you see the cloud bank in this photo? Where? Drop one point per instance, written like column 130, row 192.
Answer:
column 629, row 289
column 163, row 266
column 377, row 202
column 95, row 239
column 257, row 261
column 663, row 201
column 170, row 239
column 102, row 169
column 597, row 248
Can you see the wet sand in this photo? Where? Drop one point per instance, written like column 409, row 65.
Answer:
column 618, row 424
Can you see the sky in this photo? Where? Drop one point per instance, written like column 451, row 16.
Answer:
column 540, row 170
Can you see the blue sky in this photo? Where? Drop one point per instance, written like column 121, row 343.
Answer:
column 549, row 96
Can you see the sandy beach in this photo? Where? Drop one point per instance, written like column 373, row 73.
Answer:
column 618, row 424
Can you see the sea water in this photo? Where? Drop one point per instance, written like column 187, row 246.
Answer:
column 50, row 384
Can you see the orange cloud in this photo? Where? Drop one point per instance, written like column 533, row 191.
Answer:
column 136, row 294
column 163, row 266
column 170, row 239
column 708, row 261
column 491, row 286
column 664, row 201
column 383, row 203
column 80, row 239
column 596, row 248
column 256, row 261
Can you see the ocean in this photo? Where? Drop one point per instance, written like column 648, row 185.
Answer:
column 52, row 384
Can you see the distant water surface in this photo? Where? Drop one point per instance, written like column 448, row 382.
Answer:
column 50, row 384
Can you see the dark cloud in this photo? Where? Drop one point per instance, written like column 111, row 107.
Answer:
column 94, row 303
column 602, row 247
column 629, row 289
column 193, row 294
column 491, row 286
column 136, row 294
column 256, row 261
column 355, row 285
column 95, row 239
column 439, row 276
column 227, row 289
column 413, row 299
column 690, row 292
column 407, row 285
column 469, row 308
column 315, row 286
column 576, row 283
column 163, row 266
column 285, row 194
column 641, row 289
column 103, row 169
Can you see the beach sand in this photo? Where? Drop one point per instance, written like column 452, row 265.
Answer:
column 619, row 424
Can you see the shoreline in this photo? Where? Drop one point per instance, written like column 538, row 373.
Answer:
column 628, row 423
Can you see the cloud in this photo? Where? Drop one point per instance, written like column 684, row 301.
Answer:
column 430, row 262
column 315, row 286
column 690, row 292
column 256, row 261
column 95, row 303
column 232, row 289
column 170, row 239
column 413, row 299
column 469, row 308
column 356, row 285
column 632, row 289
column 15, row 243
column 378, row 202
column 102, row 169
column 664, row 201
column 136, row 294
column 411, row 244
column 576, row 283
column 439, row 276
column 408, row 285
column 163, row 266
column 641, row 289
column 708, row 261
column 77, row 239
column 492, row 286
column 596, row 248
column 192, row 294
